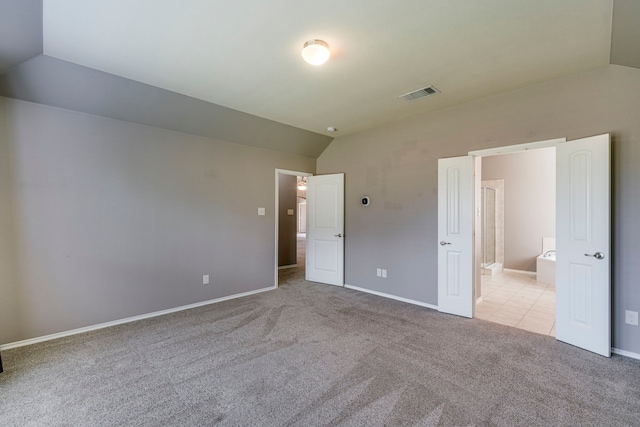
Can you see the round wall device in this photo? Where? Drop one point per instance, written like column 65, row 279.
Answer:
column 365, row 201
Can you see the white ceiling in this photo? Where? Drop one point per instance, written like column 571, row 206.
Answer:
column 245, row 54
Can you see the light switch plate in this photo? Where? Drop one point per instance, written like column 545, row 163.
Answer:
column 289, row 211
column 261, row 211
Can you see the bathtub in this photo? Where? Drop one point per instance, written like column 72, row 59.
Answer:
column 546, row 269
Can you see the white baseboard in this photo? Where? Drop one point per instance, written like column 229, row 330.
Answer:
column 282, row 267
column 382, row 294
column 625, row 353
column 127, row 320
column 511, row 270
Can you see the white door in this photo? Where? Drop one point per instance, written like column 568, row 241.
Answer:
column 583, row 290
column 455, row 236
column 325, row 229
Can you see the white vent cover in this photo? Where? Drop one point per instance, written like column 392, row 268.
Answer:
column 420, row 93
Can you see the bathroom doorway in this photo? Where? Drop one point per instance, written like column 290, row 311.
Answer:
column 583, row 233
column 517, row 227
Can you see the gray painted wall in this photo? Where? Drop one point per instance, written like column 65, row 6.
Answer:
column 396, row 164
column 625, row 33
column 8, row 282
column 50, row 81
column 287, row 230
column 114, row 219
column 529, row 202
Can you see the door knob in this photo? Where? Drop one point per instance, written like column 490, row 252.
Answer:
column 597, row 255
column 338, row 235
column 444, row 243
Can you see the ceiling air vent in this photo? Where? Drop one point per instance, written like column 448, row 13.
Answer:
column 420, row 93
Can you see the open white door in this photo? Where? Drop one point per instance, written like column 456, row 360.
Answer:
column 583, row 286
column 325, row 229
column 455, row 236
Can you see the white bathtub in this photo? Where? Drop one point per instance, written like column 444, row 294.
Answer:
column 546, row 269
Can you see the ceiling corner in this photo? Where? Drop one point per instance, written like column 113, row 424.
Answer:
column 625, row 33
column 20, row 32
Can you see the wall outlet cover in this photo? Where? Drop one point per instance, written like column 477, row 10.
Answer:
column 205, row 279
column 631, row 317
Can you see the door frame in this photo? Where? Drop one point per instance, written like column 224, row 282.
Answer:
column 277, row 215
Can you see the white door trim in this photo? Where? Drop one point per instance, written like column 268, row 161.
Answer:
column 517, row 148
column 276, row 215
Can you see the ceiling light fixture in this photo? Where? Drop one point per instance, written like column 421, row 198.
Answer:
column 315, row 52
column 302, row 184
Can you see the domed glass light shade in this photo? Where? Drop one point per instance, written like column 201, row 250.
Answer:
column 316, row 52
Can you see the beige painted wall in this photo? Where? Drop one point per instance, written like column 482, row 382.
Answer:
column 113, row 219
column 396, row 164
column 529, row 202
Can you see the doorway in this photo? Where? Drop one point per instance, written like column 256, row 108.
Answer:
column 583, row 267
column 290, row 228
column 518, row 224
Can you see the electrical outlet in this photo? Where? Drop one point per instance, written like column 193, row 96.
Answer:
column 379, row 272
column 631, row 317
column 384, row 273
column 205, row 279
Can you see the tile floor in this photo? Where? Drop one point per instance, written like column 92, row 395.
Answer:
column 516, row 299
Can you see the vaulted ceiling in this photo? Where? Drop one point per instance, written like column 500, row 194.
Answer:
column 233, row 71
